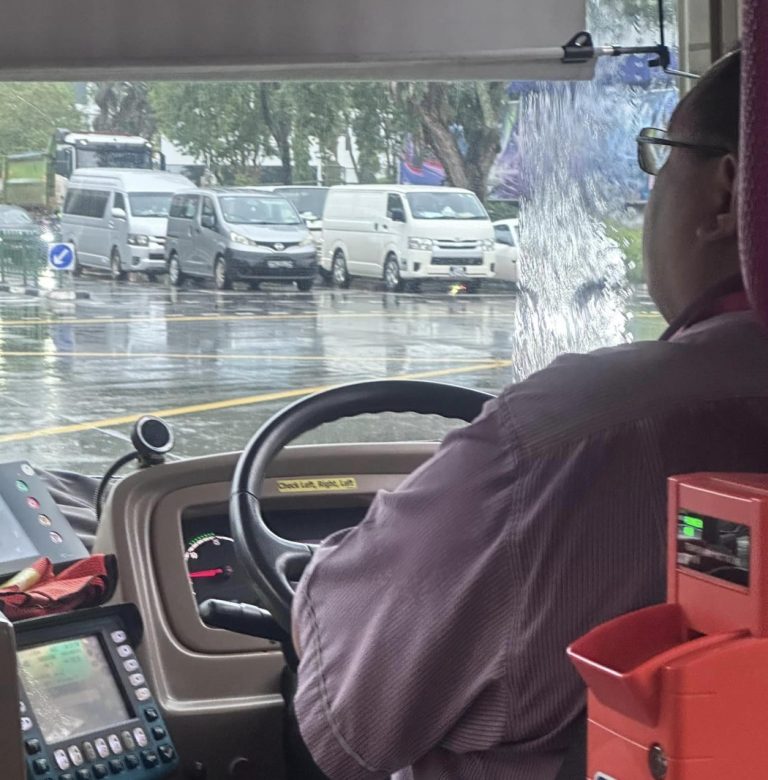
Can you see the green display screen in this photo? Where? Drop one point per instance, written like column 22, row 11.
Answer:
column 71, row 688
column 718, row 548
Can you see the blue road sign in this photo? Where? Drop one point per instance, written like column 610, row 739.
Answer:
column 61, row 257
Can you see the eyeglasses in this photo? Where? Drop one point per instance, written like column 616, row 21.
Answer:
column 654, row 147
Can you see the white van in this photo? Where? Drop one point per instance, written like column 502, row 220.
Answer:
column 405, row 234
column 117, row 218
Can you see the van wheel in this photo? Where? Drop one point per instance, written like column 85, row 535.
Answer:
column 116, row 266
column 175, row 276
column 339, row 271
column 392, row 280
column 305, row 285
column 221, row 276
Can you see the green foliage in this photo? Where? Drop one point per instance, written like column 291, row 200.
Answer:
column 630, row 241
column 124, row 107
column 233, row 126
column 30, row 112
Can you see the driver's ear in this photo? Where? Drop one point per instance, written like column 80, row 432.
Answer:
column 722, row 221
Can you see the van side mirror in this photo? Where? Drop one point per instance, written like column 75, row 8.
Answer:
column 208, row 221
column 397, row 215
column 119, row 214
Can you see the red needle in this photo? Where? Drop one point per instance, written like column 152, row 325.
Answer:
column 206, row 573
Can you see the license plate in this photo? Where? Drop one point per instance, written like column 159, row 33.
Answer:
column 458, row 270
column 279, row 263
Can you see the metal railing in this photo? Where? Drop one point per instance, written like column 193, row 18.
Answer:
column 22, row 257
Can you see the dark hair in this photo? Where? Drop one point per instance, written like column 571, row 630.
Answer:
column 712, row 106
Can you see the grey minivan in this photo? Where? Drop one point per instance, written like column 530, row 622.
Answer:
column 233, row 235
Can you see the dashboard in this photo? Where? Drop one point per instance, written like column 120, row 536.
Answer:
column 168, row 526
column 209, row 551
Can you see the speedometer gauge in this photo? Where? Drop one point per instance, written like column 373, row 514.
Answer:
column 210, row 562
column 212, row 566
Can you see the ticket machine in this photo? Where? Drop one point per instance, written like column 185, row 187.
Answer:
column 679, row 691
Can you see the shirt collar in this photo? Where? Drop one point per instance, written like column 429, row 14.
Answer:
column 726, row 296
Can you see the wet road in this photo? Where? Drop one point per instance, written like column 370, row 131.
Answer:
column 73, row 376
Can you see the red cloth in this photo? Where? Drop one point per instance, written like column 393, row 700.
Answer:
column 87, row 583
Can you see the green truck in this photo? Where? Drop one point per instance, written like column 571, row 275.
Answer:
column 37, row 181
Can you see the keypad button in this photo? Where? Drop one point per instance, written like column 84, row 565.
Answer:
column 89, row 751
column 67, row 776
column 131, row 665
column 151, row 714
column 32, row 746
column 167, row 753
column 22, row 708
column 136, row 679
column 40, row 766
column 158, row 732
column 118, row 637
column 115, row 744
column 116, row 766
column 127, row 738
column 150, row 759
column 83, row 774
column 62, row 759
column 101, row 747
column 141, row 737
column 124, row 651
column 75, row 756
column 142, row 694
column 100, row 771
column 26, row 724
column 132, row 761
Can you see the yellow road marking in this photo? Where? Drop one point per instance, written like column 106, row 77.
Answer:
column 230, row 403
column 195, row 356
column 105, row 320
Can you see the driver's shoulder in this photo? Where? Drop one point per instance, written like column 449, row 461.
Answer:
column 581, row 395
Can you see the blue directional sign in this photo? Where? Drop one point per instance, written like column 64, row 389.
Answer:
column 61, row 257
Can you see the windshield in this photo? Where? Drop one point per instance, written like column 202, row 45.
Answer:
column 309, row 201
column 218, row 350
column 255, row 210
column 445, row 205
column 96, row 157
column 150, row 204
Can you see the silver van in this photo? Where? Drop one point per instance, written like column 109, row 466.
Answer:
column 117, row 218
column 232, row 234
column 309, row 200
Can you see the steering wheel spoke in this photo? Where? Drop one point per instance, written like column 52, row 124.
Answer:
column 273, row 563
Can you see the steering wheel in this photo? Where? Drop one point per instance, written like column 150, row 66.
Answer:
column 272, row 562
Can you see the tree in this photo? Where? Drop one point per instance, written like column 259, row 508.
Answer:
column 124, row 107
column 30, row 112
column 460, row 122
column 221, row 123
column 379, row 126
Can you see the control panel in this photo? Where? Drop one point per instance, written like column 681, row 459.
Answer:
column 87, row 712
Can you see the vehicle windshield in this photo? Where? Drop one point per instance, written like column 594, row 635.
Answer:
column 150, row 204
column 217, row 351
column 99, row 157
column 445, row 205
column 309, row 201
column 255, row 210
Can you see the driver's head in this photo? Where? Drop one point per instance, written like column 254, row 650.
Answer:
column 690, row 235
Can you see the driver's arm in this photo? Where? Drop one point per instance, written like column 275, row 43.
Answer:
column 403, row 622
column 434, row 634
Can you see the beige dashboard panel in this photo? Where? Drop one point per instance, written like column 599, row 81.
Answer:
column 208, row 680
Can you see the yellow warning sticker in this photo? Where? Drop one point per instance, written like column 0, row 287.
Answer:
column 316, row 485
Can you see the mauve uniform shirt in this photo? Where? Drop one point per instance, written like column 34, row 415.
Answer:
column 434, row 633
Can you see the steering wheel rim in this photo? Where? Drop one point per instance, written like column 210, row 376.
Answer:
column 272, row 561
